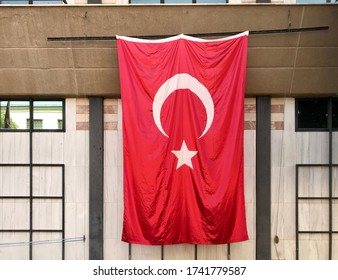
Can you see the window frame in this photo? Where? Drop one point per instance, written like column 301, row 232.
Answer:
column 33, row 2
column 31, row 115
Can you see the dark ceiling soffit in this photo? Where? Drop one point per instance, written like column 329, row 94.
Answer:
column 257, row 32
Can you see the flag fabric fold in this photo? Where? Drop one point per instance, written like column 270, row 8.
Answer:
column 183, row 125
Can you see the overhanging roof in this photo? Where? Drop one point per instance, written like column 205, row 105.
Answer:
column 279, row 64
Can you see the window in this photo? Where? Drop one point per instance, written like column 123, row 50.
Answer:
column 335, row 113
column 26, row 2
column 47, row 115
column 315, row 1
column 316, row 114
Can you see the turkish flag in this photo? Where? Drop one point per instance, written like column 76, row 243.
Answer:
column 183, row 122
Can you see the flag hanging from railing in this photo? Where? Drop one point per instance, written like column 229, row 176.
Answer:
column 183, row 121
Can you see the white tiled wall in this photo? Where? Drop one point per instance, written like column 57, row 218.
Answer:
column 71, row 148
column 288, row 149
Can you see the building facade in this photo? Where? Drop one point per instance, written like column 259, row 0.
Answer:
column 61, row 192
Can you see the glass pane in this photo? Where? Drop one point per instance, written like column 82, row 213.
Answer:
column 53, row 2
column 14, row 2
column 13, row 114
column 48, row 115
column 335, row 113
column 211, row 1
column 312, row 113
column 178, row 1
column 26, row 2
column 145, row 2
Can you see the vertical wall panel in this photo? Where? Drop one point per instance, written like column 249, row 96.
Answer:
column 14, row 180
column 312, row 147
column 114, row 248
column 14, row 252
column 212, row 252
column 335, row 247
column 243, row 250
column 335, row 147
column 14, row 147
column 142, row 252
column 14, row 214
column 47, row 181
column 47, row 214
column 48, row 249
column 179, row 252
column 283, row 159
column 314, row 246
column 48, row 147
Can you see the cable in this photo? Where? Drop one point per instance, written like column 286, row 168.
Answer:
column 41, row 242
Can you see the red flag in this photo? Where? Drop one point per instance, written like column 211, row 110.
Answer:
column 7, row 116
column 183, row 122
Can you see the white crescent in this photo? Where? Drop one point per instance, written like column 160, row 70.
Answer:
column 182, row 81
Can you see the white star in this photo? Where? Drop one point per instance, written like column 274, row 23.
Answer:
column 184, row 156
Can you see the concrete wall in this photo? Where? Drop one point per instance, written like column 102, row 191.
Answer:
column 278, row 64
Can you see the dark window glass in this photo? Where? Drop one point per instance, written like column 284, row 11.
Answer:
column 335, row 113
column 312, row 113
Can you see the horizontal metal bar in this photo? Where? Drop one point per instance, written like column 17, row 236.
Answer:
column 253, row 32
column 41, row 242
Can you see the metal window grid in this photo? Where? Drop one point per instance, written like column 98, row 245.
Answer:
column 31, row 165
column 330, row 198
